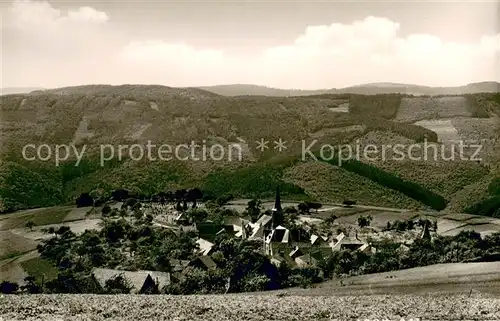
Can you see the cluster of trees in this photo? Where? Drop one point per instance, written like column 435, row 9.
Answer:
column 489, row 206
column 410, row 189
column 306, row 207
column 364, row 221
column 467, row 246
column 409, row 225
column 181, row 197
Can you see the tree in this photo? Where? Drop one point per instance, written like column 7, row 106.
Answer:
column 84, row 200
column 180, row 195
column 304, row 207
column 138, row 214
column 197, row 215
column 31, row 286
column 7, row 287
column 364, row 221
column 106, row 209
column 314, row 205
column 120, row 195
column 349, row 203
column 30, row 224
column 253, row 209
column 193, row 195
column 130, row 202
column 331, row 219
column 115, row 230
column 224, row 199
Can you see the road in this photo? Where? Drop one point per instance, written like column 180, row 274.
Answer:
column 325, row 208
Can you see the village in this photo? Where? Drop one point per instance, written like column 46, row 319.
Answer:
column 288, row 236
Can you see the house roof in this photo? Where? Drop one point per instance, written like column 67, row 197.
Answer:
column 279, row 234
column 258, row 232
column 205, row 246
column 206, row 261
column 178, row 265
column 296, row 252
column 316, row 239
column 264, row 220
column 181, row 216
column 136, row 278
column 208, row 230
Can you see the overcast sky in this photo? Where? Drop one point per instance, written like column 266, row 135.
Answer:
column 307, row 45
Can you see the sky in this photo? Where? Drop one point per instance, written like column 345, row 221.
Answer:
column 282, row 44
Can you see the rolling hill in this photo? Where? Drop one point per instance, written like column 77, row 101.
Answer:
column 93, row 116
column 364, row 89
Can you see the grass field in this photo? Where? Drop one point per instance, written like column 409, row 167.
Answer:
column 452, row 278
column 12, row 245
column 40, row 269
column 77, row 213
column 46, row 216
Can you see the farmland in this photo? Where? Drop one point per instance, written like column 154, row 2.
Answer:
column 248, row 307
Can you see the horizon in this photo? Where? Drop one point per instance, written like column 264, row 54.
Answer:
column 282, row 45
column 254, row 85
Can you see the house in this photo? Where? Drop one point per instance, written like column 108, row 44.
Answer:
column 208, row 230
column 243, row 229
column 277, row 260
column 231, row 221
column 313, row 259
column 296, row 252
column 178, row 265
column 182, row 219
column 265, row 220
column 141, row 281
column 205, row 247
column 257, row 232
column 278, row 235
column 403, row 249
column 318, row 240
column 367, row 248
column 204, row 263
column 345, row 243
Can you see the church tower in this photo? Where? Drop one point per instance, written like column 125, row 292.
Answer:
column 277, row 210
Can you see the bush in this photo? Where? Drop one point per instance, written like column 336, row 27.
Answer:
column 494, row 186
column 487, row 207
column 7, row 287
column 255, row 283
column 106, row 209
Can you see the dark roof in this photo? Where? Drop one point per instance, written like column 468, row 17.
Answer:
column 178, row 265
column 208, row 228
column 204, row 261
column 232, row 220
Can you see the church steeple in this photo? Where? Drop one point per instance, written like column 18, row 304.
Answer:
column 277, row 201
column 277, row 210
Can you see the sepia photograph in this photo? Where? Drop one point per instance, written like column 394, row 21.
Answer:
column 249, row 160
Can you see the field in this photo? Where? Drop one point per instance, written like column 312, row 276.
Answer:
column 13, row 244
column 18, row 255
column 247, row 307
column 52, row 215
column 422, row 108
column 444, row 128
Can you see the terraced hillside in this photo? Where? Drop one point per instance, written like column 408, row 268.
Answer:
column 471, row 120
column 91, row 116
